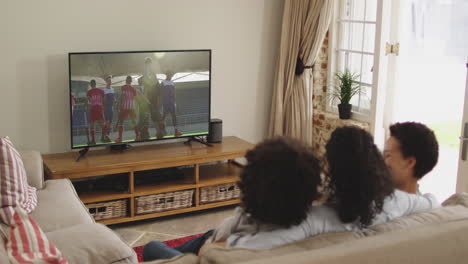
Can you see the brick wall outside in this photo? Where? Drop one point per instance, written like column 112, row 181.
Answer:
column 325, row 122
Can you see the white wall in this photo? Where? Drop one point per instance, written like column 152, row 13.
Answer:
column 35, row 37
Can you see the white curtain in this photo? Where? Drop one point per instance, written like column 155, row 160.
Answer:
column 305, row 24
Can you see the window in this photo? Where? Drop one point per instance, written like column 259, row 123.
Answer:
column 352, row 41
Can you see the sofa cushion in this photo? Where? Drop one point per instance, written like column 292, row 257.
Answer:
column 33, row 165
column 25, row 242
column 214, row 254
column 92, row 243
column 59, row 206
column 445, row 243
column 14, row 188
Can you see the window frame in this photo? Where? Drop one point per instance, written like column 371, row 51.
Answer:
column 335, row 33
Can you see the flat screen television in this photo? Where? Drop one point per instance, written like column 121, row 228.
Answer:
column 138, row 96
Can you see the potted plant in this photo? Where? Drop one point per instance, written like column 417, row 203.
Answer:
column 346, row 86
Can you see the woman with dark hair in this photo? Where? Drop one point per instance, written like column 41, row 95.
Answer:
column 359, row 180
column 278, row 185
column 361, row 193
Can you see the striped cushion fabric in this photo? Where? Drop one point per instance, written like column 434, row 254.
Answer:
column 24, row 240
column 14, row 188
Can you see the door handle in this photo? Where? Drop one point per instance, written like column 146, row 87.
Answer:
column 464, row 142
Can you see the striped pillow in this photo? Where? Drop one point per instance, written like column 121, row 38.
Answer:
column 24, row 240
column 14, row 187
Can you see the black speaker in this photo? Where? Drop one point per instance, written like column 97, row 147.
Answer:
column 216, row 131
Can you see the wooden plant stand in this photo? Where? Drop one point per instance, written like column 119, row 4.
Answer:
column 204, row 166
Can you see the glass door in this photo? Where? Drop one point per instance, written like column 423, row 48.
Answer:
column 462, row 179
column 426, row 78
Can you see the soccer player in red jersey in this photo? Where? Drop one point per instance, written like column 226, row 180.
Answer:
column 126, row 108
column 96, row 114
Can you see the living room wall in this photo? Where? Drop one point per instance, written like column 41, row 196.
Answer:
column 37, row 35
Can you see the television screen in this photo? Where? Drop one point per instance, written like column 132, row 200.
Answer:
column 125, row 97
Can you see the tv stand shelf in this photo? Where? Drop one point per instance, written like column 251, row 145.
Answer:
column 201, row 169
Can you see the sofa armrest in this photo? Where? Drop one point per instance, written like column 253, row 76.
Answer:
column 32, row 161
column 92, row 244
column 460, row 198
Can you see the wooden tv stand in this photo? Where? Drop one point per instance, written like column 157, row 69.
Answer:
column 199, row 159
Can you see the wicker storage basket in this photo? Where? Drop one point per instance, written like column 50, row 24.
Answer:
column 107, row 210
column 222, row 192
column 163, row 202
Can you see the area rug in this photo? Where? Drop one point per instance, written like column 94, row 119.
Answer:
column 172, row 243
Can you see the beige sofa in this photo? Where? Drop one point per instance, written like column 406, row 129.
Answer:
column 436, row 236
column 66, row 222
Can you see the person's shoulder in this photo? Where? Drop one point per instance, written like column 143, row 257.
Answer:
column 432, row 198
column 95, row 90
column 323, row 218
column 238, row 210
column 167, row 83
column 415, row 201
column 321, row 212
column 323, row 209
column 398, row 194
column 109, row 90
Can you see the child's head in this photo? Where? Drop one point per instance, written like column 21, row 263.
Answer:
column 410, row 152
column 148, row 66
column 148, row 61
column 280, row 181
column 357, row 175
column 92, row 83
column 128, row 80
column 169, row 75
column 109, row 80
